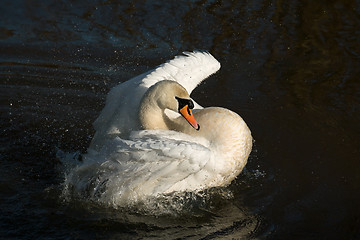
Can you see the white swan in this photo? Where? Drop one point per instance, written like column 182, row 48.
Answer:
column 148, row 141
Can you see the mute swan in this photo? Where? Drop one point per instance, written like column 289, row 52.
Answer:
column 152, row 138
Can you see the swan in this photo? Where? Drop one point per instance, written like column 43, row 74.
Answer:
column 152, row 138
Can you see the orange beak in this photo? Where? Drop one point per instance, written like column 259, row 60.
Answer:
column 187, row 114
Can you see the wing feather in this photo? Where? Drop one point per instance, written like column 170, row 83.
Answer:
column 189, row 70
column 139, row 167
column 119, row 116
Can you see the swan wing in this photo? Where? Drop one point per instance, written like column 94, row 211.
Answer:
column 156, row 162
column 120, row 115
column 139, row 167
column 189, row 70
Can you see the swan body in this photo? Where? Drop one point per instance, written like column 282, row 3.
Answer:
column 152, row 138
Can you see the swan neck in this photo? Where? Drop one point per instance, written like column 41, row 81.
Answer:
column 159, row 97
column 151, row 115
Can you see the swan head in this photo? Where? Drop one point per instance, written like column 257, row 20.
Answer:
column 184, row 108
column 166, row 95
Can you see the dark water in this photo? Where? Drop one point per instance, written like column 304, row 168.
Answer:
column 289, row 68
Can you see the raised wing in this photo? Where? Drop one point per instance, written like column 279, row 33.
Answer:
column 188, row 70
column 120, row 114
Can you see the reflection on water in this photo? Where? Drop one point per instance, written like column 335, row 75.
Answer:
column 289, row 68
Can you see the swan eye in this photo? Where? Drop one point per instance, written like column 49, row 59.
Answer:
column 185, row 102
column 191, row 104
